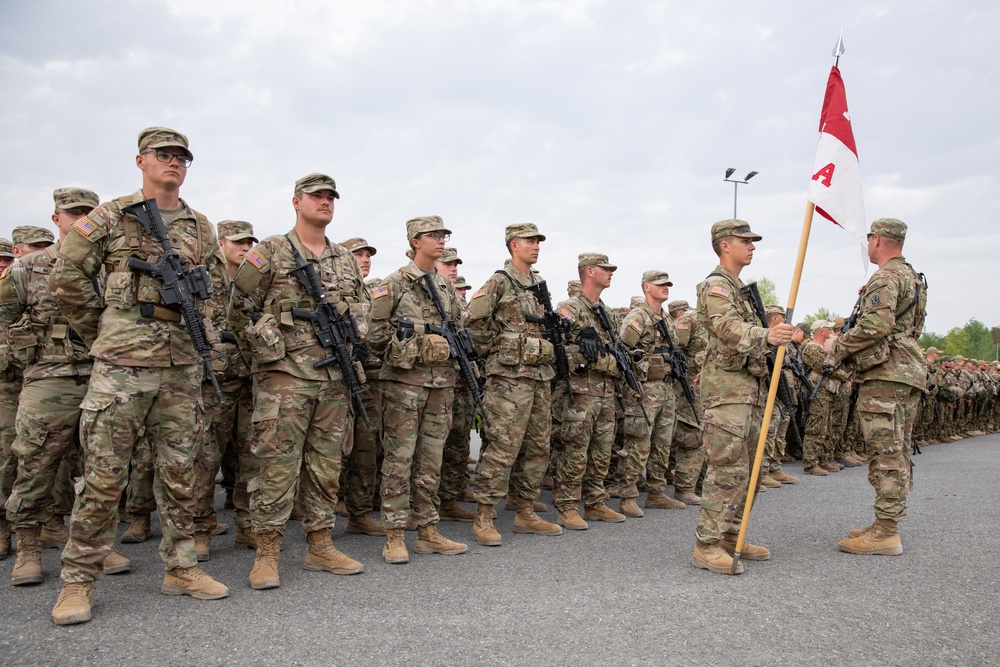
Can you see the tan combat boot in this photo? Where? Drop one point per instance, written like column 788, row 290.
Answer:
column 749, row 551
column 245, row 538
column 713, row 558
column 816, row 470
column 219, row 529
column 202, row 546
column 28, row 565
column 322, row 556
column 430, row 541
column 572, row 520
column 137, row 531
column 881, row 540
column 192, row 581
column 5, row 529
column 54, row 533
column 769, row 481
column 660, row 501
column 830, row 466
column 630, row 508
column 602, row 512
column 364, row 525
column 526, row 521
column 116, row 562
column 858, row 532
column 265, row 568
column 73, row 605
column 483, row 528
column 687, row 497
column 784, row 477
column 394, row 551
column 451, row 511
column 510, row 504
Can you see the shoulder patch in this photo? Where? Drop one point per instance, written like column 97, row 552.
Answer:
column 255, row 259
column 636, row 324
column 719, row 290
column 568, row 314
column 84, row 226
column 875, row 300
column 479, row 292
column 683, row 325
column 380, row 292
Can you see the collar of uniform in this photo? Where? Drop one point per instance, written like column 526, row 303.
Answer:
column 415, row 271
column 186, row 211
column 729, row 274
column 306, row 252
column 515, row 273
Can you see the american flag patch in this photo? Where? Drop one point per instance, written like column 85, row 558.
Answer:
column 683, row 325
column 255, row 259
column 84, row 226
column 479, row 292
column 380, row 292
column 565, row 312
column 721, row 291
column 637, row 325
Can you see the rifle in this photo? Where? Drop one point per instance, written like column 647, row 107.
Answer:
column 181, row 284
column 555, row 329
column 334, row 327
column 460, row 343
column 622, row 357
column 678, row 364
column 855, row 390
column 848, row 324
column 784, row 391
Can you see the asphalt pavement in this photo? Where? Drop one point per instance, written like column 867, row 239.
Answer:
column 617, row 594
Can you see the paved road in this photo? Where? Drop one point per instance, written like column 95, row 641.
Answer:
column 622, row 594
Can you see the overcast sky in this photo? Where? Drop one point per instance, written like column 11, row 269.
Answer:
column 608, row 124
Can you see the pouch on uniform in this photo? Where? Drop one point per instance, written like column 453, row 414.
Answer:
column 657, row 368
column 265, row 340
column 119, row 290
column 403, row 353
column 537, row 351
column 434, row 350
column 873, row 356
column 508, row 351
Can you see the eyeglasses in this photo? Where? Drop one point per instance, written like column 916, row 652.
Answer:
column 438, row 236
column 165, row 157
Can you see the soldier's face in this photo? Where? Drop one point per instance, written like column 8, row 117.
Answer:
column 741, row 250
column 526, row 250
column 163, row 174
column 315, row 208
column 430, row 247
column 364, row 259
column 5, row 262
column 234, row 251
column 448, row 269
column 461, row 293
column 602, row 276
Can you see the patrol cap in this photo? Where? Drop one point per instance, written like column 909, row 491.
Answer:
column 67, row 198
column 655, row 277
column 595, row 259
column 315, row 182
column 236, row 230
column 462, row 283
column 358, row 243
column 524, row 230
column 821, row 324
column 32, row 235
column 959, row 358
column 162, row 137
column 774, row 309
column 573, row 287
column 424, row 224
column 806, row 329
column 733, row 227
column 6, row 248
column 679, row 304
column 838, row 323
column 449, row 255
column 889, row 228
column 933, row 350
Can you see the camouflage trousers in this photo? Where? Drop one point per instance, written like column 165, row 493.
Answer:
column 220, row 435
column 818, row 427
column 416, row 424
column 648, row 447
column 774, row 446
column 302, row 429
column 124, row 404
column 888, row 412
column 688, row 455
column 139, row 496
column 836, row 441
column 360, row 467
column 233, row 431
column 587, row 435
column 48, row 417
column 455, row 459
column 731, row 434
column 517, row 449
column 10, row 391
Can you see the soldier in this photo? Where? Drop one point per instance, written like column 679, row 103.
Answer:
column 771, row 473
column 303, row 421
column 587, row 428
column 418, row 385
column 146, row 377
column 882, row 348
column 56, row 367
column 462, row 287
column 360, row 466
column 733, row 392
column 688, row 454
column 10, row 390
column 815, row 458
column 518, row 390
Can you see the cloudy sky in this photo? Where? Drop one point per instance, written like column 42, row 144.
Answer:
column 608, row 124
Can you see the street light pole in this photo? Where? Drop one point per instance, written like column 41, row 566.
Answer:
column 737, row 184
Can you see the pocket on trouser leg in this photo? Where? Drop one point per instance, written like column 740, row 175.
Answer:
column 725, row 439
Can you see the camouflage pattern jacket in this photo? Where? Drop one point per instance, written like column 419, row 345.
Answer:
column 512, row 346
column 41, row 338
column 116, row 331
column 735, row 358
column 400, row 295
column 885, row 334
column 265, row 285
column 638, row 331
column 232, row 366
column 589, row 378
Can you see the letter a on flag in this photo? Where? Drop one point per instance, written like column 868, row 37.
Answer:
column 835, row 187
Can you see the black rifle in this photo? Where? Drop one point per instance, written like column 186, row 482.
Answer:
column 555, row 329
column 678, row 364
column 334, row 327
column 182, row 285
column 622, row 357
column 784, row 395
column 848, row 324
column 463, row 350
column 855, row 390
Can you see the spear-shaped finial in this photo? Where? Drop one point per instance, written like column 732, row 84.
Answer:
column 838, row 50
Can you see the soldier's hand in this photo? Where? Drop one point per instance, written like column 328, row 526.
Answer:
column 780, row 334
column 591, row 345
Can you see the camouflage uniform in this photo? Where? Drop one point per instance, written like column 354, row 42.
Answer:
column 10, row 391
column 518, row 390
column 146, row 380
column 418, row 395
column 688, row 452
column 882, row 347
column 302, row 419
column 820, row 423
